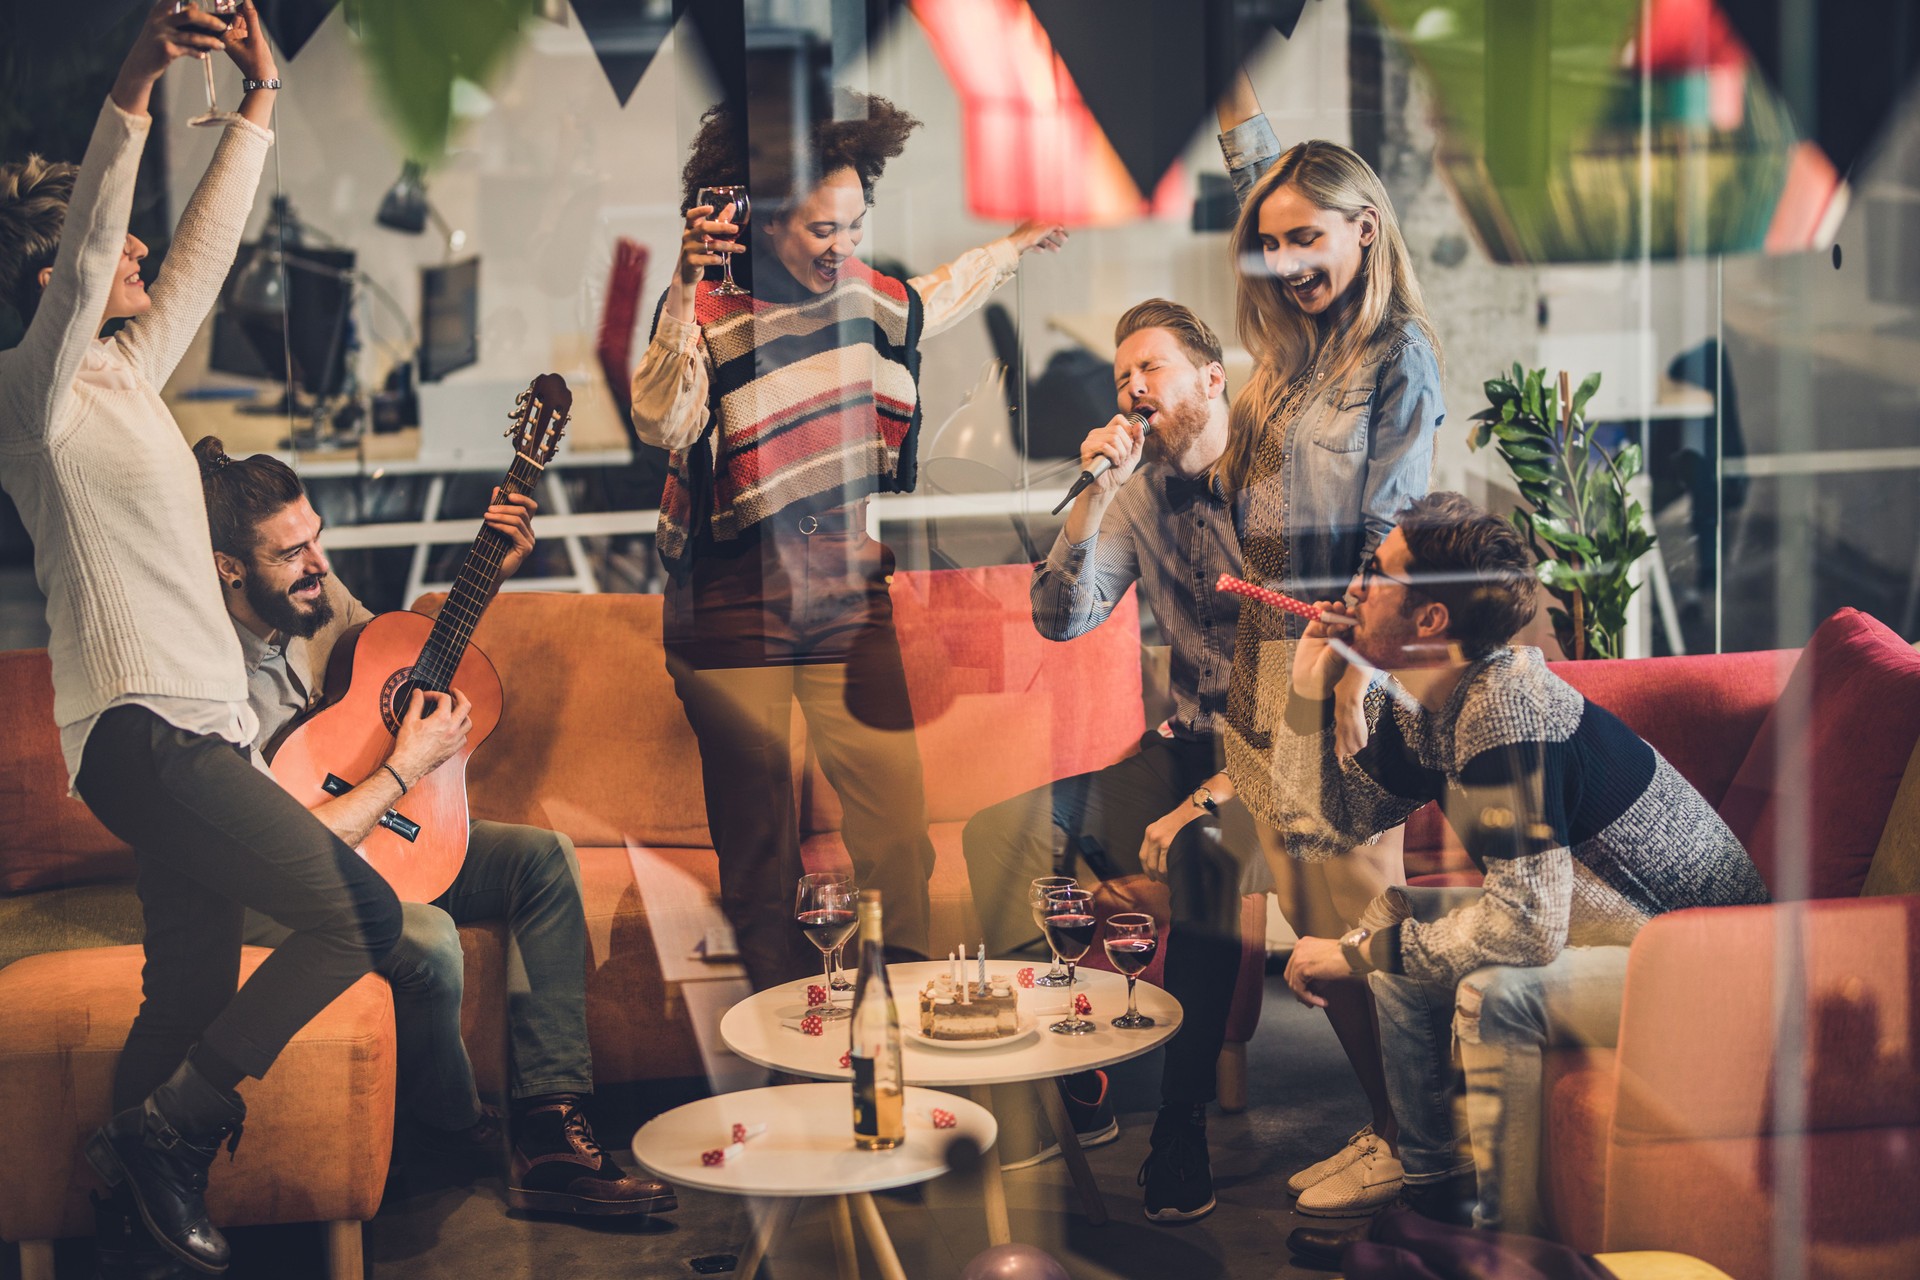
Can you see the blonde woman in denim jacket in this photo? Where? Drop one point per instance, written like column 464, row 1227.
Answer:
column 1332, row 435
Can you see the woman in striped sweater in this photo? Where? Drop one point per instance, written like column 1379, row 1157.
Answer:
column 784, row 412
column 149, row 689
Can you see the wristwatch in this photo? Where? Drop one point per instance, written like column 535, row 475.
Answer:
column 1202, row 798
column 250, row 85
column 1351, row 944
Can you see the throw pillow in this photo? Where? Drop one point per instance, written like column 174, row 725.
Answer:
column 1896, row 863
column 1839, row 738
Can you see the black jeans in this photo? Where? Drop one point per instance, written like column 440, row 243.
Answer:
column 212, row 836
column 1103, row 817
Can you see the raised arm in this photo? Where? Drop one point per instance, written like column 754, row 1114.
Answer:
column 955, row 291
column 1247, row 140
column 73, row 301
column 210, row 228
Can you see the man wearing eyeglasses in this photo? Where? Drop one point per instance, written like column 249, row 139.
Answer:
column 1584, row 833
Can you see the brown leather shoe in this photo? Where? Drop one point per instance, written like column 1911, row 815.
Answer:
column 559, row 1168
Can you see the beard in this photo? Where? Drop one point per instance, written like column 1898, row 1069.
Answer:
column 279, row 610
column 1176, row 426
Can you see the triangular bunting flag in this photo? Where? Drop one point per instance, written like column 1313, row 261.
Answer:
column 625, row 37
column 293, row 22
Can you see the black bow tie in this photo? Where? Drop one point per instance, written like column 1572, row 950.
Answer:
column 1183, row 491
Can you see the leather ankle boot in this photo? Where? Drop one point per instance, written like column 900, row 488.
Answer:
column 122, row 1249
column 161, row 1150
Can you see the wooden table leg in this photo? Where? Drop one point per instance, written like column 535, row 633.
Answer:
column 774, row 1221
column 993, row 1190
column 1070, row 1151
column 840, row 1218
column 877, row 1236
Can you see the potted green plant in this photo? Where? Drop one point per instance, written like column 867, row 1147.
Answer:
column 1583, row 525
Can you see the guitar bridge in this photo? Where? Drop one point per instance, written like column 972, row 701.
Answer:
column 404, row 827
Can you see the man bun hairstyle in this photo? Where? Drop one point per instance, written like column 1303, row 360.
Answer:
column 1474, row 563
column 1160, row 313
column 867, row 131
column 241, row 494
column 34, row 194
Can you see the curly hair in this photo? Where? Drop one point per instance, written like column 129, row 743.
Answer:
column 34, row 194
column 868, row 132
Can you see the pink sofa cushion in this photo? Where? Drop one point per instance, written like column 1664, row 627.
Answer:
column 1839, row 737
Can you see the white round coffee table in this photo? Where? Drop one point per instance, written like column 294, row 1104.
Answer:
column 808, row 1150
column 754, row 1029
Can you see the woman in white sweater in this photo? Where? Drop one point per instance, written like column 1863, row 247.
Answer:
column 150, row 692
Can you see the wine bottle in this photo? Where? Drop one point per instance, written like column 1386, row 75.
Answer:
column 879, row 1120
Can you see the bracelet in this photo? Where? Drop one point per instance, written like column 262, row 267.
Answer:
column 396, row 777
column 248, row 85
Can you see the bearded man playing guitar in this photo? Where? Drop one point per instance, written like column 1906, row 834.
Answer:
column 290, row 613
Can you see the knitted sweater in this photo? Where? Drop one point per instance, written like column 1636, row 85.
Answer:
column 1583, row 830
column 816, row 402
column 106, row 484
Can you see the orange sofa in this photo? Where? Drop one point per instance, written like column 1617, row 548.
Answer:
column 1762, row 1108
column 593, row 744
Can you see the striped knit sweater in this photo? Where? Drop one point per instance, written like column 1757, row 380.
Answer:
column 815, row 403
column 1583, row 830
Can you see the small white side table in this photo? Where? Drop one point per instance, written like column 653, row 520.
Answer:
column 806, row 1151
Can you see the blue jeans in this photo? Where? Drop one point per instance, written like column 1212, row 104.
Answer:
column 530, row 878
column 1503, row 1018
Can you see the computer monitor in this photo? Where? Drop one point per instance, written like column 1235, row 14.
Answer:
column 449, row 318
column 317, row 328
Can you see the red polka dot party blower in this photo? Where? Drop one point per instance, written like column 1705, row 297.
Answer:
column 1267, row 596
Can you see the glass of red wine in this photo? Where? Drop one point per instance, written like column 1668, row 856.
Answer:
column 1037, row 898
column 1131, row 941
column 837, row 967
column 226, row 11
column 718, row 198
column 824, row 908
column 1070, row 923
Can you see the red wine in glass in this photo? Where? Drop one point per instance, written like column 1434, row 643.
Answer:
column 827, row 928
column 1132, row 955
column 1071, row 934
column 1132, row 940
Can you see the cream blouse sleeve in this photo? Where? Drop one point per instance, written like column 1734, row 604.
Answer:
column 952, row 293
column 670, row 386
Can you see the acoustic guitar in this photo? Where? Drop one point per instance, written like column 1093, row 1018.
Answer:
column 420, row 843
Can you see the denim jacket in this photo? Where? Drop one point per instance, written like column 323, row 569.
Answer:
column 1360, row 449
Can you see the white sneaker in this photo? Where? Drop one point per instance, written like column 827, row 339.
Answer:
column 1324, row 1169
column 1366, row 1184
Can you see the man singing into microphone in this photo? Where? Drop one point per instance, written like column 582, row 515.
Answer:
column 1156, row 517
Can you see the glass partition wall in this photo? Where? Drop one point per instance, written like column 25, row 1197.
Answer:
column 1677, row 237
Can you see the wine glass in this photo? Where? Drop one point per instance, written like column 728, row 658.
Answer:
column 824, row 908
column 718, row 198
column 1131, row 942
column 226, row 11
column 1069, row 925
column 837, row 967
column 1037, row 898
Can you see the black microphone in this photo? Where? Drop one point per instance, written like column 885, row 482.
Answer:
column 1101, row 465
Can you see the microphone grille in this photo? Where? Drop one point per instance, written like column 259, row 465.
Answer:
column 1140, row 420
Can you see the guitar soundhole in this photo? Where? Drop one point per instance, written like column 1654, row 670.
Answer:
column 394, row 697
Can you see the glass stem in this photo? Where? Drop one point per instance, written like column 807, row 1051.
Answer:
column 1055, row 971
column 826, row 960
column 727, row 268
column 1072, row 1017
column 207, row 64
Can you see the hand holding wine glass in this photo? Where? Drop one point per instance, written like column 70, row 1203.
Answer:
column 1070, row 924
column 171, row 31
column 735, row 209
column 1132, row 941
column 824, row 908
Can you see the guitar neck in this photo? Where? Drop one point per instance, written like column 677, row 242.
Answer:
column 473, row 590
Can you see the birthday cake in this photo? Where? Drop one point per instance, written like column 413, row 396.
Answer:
column 969, row 1010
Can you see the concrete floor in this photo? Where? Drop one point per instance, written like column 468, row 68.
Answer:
column 1304, row 1103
